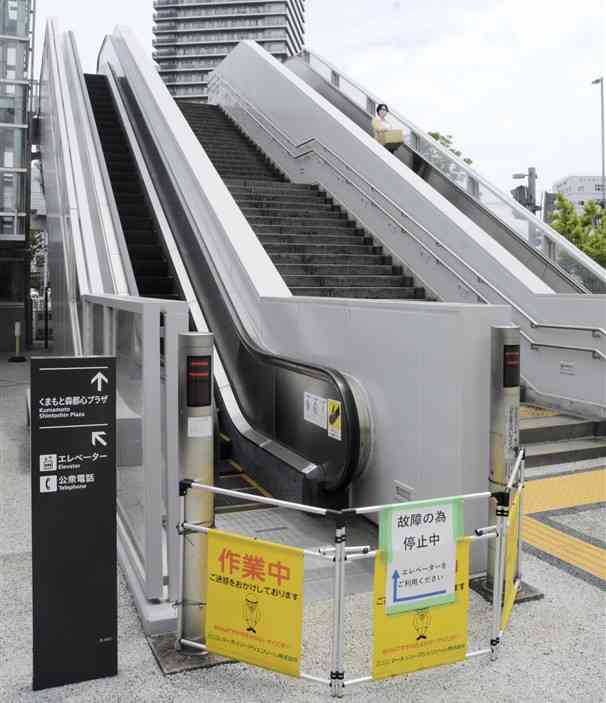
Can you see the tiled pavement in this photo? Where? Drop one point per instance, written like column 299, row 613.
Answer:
column 553, row 651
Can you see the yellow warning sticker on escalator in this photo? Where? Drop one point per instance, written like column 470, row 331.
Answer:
column 334, row 419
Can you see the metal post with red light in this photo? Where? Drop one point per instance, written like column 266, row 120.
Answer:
column 196, row 462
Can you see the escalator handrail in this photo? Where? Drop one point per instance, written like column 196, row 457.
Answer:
column 354, row 457
column 293, row 150
column 548, row 231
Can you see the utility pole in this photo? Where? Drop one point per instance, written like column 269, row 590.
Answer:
column 601, row 82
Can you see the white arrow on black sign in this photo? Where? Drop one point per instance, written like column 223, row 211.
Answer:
column 99, row 379
column 98, row 437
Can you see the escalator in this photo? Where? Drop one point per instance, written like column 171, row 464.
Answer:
column 150, row 264
column 266, row 386
column 315, row 247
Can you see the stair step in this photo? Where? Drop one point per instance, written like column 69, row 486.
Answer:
column 243, row 186
column 152, row 267
column 314, row 249
column 141, row 236
column 300, row 223
column 279, row 238
column 339, row 269
column 286, row 230
column 133, row 207
column 564, row 451
column 318, row 250
column 559, row 427
column 278, row 209
column 246, row 161
column 136, row 222
column 362, row 292
column 292, row 200
column 321, row 259
column 145, row 252
column 346, row 281
column 156, row 284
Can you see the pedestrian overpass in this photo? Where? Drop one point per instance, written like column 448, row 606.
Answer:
column 326, row 268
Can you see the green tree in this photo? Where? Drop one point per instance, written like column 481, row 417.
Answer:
column 587, row 230
column 447, row 140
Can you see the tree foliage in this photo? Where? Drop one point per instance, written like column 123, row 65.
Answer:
column 447, row 140
column 587, row 230
column 442, row 161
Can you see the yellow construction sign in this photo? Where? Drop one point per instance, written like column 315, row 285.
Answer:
column 420, row 639
column 511, row 560
column 254, row 608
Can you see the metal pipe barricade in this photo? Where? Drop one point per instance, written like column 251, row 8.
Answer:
column 341, row 554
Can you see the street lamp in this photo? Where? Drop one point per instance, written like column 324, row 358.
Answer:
column 527, row 196
column 601, row 82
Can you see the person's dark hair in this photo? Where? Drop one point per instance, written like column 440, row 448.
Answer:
column 381, row 106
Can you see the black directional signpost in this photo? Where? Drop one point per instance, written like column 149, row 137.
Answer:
column 73, row 454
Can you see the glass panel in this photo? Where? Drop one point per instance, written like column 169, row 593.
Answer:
column 14, row 17
column 320, row 67
column 354, row 94
column 13, row 104
column 12, row 147
column 12, row 192
column 13, row 58
column 130, row 478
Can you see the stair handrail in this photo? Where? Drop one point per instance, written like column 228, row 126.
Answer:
column 523, row 213
column 534, row 324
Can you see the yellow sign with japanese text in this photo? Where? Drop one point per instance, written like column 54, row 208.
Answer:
column 420, row 639
column 334, row 419
column 254, row 607
column 511, row 561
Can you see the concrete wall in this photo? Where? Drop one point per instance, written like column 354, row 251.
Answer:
column 438, row 243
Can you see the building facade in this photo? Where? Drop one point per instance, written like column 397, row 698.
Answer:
column 15, row 48
column 192, row 38
column 580, row 189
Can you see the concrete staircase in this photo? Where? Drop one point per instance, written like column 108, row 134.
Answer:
column 551, row 438
column 316, row 248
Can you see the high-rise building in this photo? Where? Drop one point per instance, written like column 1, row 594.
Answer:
column 191, row 38
column 15, row 48
column 580, row 189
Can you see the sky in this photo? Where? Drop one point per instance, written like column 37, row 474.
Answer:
column 509, row 79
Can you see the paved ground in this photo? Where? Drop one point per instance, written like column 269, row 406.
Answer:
column 555, row 649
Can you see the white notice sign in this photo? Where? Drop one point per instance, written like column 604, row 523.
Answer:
column 420, row 543
column 199, row 427
column 315, row 410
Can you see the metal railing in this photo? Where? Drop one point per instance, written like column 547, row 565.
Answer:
column 307, row 147
column 341, row 554
column 554, row 246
